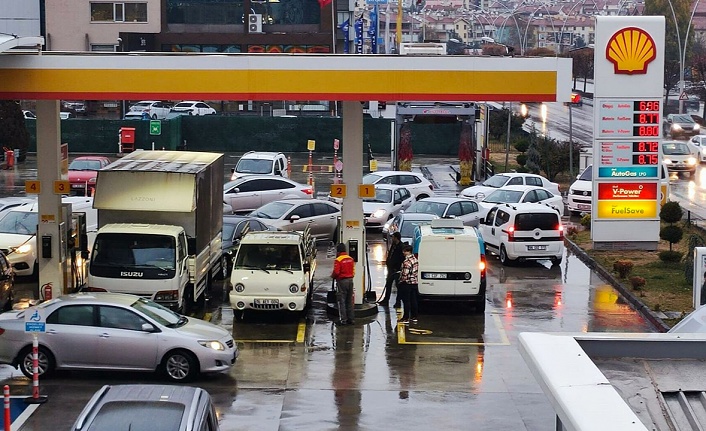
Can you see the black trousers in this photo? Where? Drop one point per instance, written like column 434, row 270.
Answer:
column 409, row 293
column 391, row 279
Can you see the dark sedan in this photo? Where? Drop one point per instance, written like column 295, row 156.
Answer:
column 233, row 228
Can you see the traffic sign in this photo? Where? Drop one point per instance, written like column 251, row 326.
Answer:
column 35, row 320
column 338, row 166
column 373, row 165
column 338, row 190
column 336, row 144
column 62, row 187
column 155, row 127
column 366, row 191
column 33, row 187
column 310, row 144
column 683, row 96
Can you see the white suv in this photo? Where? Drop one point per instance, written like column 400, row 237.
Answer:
column 260, row 163
column 525, row 231
column 579, row 198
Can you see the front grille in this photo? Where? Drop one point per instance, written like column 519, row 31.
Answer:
column 578, row 193
column 367, row 214
column 582, row 201
column 229, row 343
column 267, row 306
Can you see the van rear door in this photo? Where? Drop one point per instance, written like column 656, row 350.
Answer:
column 467, row 260
column 436, row 265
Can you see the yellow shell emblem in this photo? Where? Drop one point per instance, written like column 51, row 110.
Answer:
column 630, row 50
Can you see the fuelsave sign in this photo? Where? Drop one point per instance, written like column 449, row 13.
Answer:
column 611, row 191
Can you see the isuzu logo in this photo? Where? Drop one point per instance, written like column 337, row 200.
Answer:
column 131, row 274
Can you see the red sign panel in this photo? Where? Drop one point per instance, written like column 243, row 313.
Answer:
column 641, row 191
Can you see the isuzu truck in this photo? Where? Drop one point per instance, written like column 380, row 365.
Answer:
column 160, row 216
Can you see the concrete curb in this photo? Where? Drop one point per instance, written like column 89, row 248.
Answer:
column 620, row 287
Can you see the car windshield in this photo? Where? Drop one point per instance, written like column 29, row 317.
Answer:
column 371, row 178
column 273, row 210
column 496, row 181
column 269, row 257
column 427, row 207
column 382, row 196
column 407, row 228
column 228, row 230
column 682, row 119
column 504, row 196
column 156, row 312
column 675, row 149
column 85, row 165
column 138, row 251
column 19, row 222
column 587, row 174
column 254, row 166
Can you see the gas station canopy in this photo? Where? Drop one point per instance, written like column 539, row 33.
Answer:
column 9, row 41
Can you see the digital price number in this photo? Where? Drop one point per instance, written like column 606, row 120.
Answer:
column 627, row 119
column 645, row 153
column 646, row 105
column 636, row 153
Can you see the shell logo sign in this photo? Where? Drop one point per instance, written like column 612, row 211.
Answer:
column 630, row 50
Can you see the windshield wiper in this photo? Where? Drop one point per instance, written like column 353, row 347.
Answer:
column 285, row 269
column 252, row 267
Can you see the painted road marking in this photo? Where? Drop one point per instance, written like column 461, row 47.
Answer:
column 402, row 336
column 18, row 402
column 301, row 335
column 301, row 331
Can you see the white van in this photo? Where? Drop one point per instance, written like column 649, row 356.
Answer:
column 451, row 262
column 273, row 271
column 524, row 231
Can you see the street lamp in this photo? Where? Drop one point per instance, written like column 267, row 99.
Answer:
column 682, row 49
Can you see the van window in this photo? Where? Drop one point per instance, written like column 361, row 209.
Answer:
column 502, row 218
column 532, row 221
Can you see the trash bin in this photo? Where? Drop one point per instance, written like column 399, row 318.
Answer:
column 127, row 139
column 10, row 158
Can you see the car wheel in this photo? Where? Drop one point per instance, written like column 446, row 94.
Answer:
column 504, row 259
column 180, row 366
column 422, row 196
column 154, row 116
column 556, row 260
column 45, row 362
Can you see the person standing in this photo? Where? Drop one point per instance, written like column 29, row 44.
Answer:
column 394, row 264
column 408, row 286
column 343, row 272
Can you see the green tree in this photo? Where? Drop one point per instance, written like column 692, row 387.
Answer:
column 13, row 132
column 497, row 126
column 698, row 67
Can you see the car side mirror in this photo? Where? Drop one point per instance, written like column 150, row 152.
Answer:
column 294, row 218
column 148, row 327
column 236, row 190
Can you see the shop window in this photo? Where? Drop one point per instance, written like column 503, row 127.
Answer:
column 118, row 12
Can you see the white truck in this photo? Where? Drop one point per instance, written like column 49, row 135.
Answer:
column 160, row 216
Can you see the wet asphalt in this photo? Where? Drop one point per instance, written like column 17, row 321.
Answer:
column 454, row 369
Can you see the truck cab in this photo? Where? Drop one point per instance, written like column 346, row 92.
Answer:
column 273, row 271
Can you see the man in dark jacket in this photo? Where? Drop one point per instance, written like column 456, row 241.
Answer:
column 393, row 263
column 343, row 272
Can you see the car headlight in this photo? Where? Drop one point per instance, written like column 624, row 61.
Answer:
column 667, row 161
column 293, row 288
column 696, row 127
column 379, row 213
column 691, row 161
column 239, row 287
column 676, row 127
column 215, row 345
column 92, row 180
column 24, row 248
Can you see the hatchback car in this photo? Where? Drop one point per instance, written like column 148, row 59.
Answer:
column 83, row 172
column 680, row 125
column 521, row 194
column 114, row 331
column 297, row 214
column 678, row 157
column 135, row 407
column 417, row 185
column 153, row 108
column 193, row 108
column 389, row 200
column 480, row 191
column 463, row 209
column 233, row 228
column 253, row 191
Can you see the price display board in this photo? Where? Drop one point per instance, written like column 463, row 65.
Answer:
column 629, row 153
column 629, row 118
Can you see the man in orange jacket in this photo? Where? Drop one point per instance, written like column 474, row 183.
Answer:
column 343, row 272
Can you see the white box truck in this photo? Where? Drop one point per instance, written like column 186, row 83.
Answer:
column 160, row 216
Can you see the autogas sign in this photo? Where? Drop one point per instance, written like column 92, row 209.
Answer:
column 629, row 172
column 629, row 191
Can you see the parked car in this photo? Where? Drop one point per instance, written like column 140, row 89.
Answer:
column 698, row 119
column 135, row 407
column 115, row 331
column 83, row 172
column 463, row 209
column 405, row 224
column 579, row 198
column 678, row 157
column 297, row 214
column 66, row 115
column 417, row 185
column 193, row 108
column 523, row 231
column 12, row 202
column 699, row 141
column 7, row 283
column 153, row 108
column 260, row 163
column 389, row 200
column 521, row 194
column 142, row 116
column 253, row 191
column 29, row 115
column 680, row 125
column 75, row 107
column 480, row 191
column 233, row 228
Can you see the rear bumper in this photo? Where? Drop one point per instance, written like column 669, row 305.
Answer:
column 519, row 250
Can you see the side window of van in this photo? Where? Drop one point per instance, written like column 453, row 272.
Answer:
column 490, row 216
column 502, row 218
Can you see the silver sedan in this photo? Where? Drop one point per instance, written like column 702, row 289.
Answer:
column 297, row 214
column 116, row 332
column 253, row 191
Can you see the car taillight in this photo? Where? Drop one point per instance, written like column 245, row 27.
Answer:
column 511, row 234
column 481, row 265
column 2, row 331
column 308, row 191
column 561, row 232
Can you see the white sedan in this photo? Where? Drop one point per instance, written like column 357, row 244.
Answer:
column 193, row 108
column 386, row 204
column 517, row 194
column 480, row 191
column 463, row 209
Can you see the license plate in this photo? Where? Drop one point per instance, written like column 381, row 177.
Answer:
column 536, row 247
column 435, row 275
column 266, row 301
column 76, row 186
column 584, row 206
